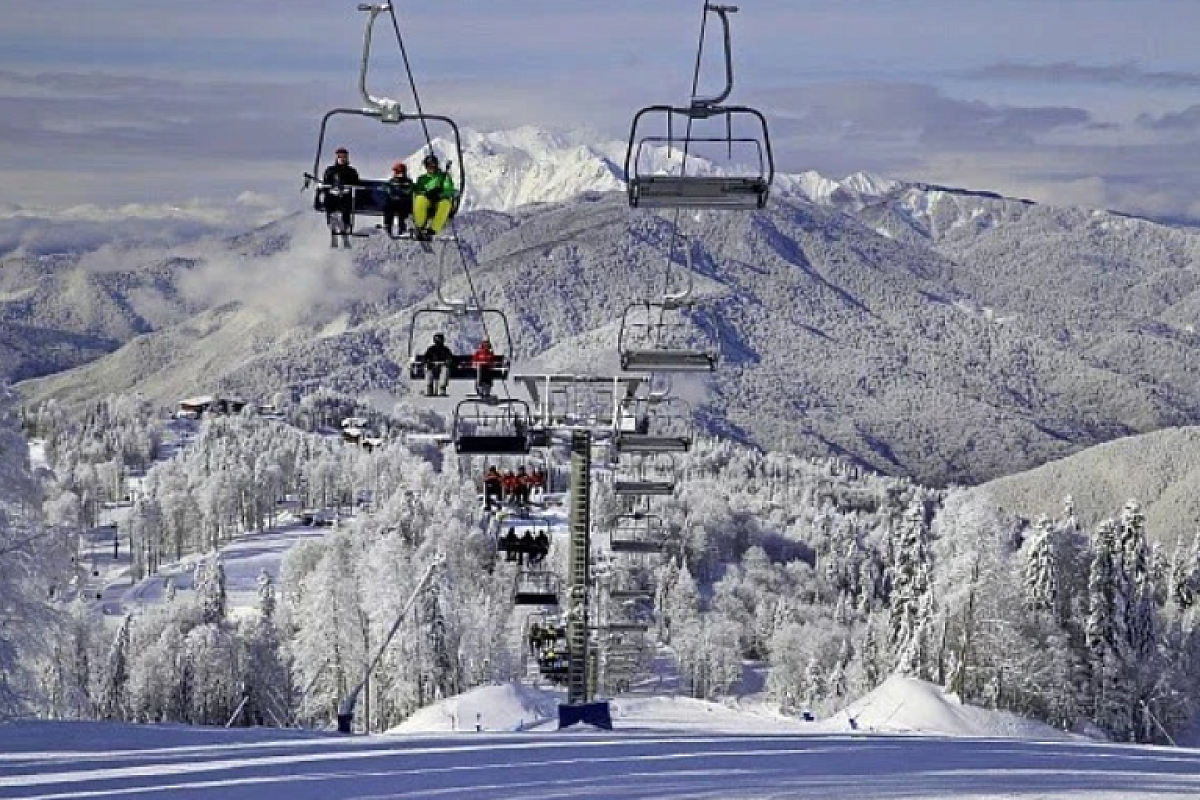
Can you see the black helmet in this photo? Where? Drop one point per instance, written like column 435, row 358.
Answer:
column 439, row 337
column 430, row 160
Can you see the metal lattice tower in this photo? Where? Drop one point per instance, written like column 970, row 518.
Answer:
column 578, row 568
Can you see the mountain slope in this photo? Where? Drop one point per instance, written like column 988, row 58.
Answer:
column 1160, row 470
column 946, row 334
column 835, row 338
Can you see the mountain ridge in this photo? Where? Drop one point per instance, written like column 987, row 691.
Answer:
column 949, row 336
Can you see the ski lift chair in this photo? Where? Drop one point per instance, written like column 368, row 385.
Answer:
column 471, row 324
column 637, row 533
column 664, row 336
column 665, row 426
column 499, row 426
column 747, row 192
column 368, row 196
column 536, row 587
column 645, row 475
column 746, row 189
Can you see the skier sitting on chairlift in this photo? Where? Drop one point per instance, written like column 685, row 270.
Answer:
column 437, row 365
column 433, row 199
column 398, row 199
column 483, row 359
column 541, row 548
column 511, row 546
column 493, row 490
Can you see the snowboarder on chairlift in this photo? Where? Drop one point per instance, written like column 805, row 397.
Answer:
column 433, row 199
column 338, row 179
column 437, row 366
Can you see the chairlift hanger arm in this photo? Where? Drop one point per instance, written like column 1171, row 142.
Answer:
column 386, row 106
column 722, row 13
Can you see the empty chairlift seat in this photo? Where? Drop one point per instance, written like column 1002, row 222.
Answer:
column 536, row 588
column 499, row 426
column 664, row 425
column 741, row 186
column 707, row 123
column 638, row 533
column 666, row 337
column 645, row 475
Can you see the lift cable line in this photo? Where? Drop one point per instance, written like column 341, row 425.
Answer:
column 456, row 238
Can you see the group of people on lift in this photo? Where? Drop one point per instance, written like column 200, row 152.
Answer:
column 429, row 199
column 526, row 547
column 439, row 357
column 513, row 488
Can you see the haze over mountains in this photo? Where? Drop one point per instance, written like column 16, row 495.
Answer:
column 943, row 334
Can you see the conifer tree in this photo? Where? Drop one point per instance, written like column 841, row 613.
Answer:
column 1041, row 573
column 909, row 577
column 113, row 701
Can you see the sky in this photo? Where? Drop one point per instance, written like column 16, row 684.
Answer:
column 212, row 108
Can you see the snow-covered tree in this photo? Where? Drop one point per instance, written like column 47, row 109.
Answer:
column 910, row 577
column 30, row 561
column 1041, row 570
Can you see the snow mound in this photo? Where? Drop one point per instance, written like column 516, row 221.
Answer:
column 907, row 705
column 506, row 707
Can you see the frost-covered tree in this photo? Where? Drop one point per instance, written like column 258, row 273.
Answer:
column 210, row 589
column 113, row 697
column 1185, row 574
column 30, row 562
column 1041, row 570
column 266, row 594
column 910, row 577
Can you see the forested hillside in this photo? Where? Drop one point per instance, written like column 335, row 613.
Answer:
column 831, row 576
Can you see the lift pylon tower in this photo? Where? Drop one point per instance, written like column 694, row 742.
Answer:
column 579, row 706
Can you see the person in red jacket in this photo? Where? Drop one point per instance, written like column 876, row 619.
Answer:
column 483, row 360
column 511, row 486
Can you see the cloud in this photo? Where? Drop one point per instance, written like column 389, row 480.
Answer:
column 1052, row 154
column 1187, row 120
column 1124, row 74
column 33, row 231
column 911, row 116
column 307, row 281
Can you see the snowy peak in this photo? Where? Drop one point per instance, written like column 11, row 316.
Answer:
column 854, row 191
column 511, row 168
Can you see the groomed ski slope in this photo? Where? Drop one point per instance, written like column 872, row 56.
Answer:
column 662, row 747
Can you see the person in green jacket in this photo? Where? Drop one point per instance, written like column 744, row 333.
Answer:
column 433, row 199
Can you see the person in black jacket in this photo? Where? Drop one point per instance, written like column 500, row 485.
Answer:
column 398, row 199
column 437, row 366
column 339, row 178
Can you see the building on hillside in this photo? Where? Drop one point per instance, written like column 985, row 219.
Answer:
column 352, row 434
column 196, row 407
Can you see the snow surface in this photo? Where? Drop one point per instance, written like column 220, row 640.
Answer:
column 662, row 747
column 906, row 739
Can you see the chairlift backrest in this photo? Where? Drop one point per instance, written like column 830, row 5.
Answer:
column 739, row 190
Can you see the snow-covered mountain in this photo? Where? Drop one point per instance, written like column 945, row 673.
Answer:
column 945, row 334
column 512, row 168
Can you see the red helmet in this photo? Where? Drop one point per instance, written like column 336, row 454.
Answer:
column 399, row 168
